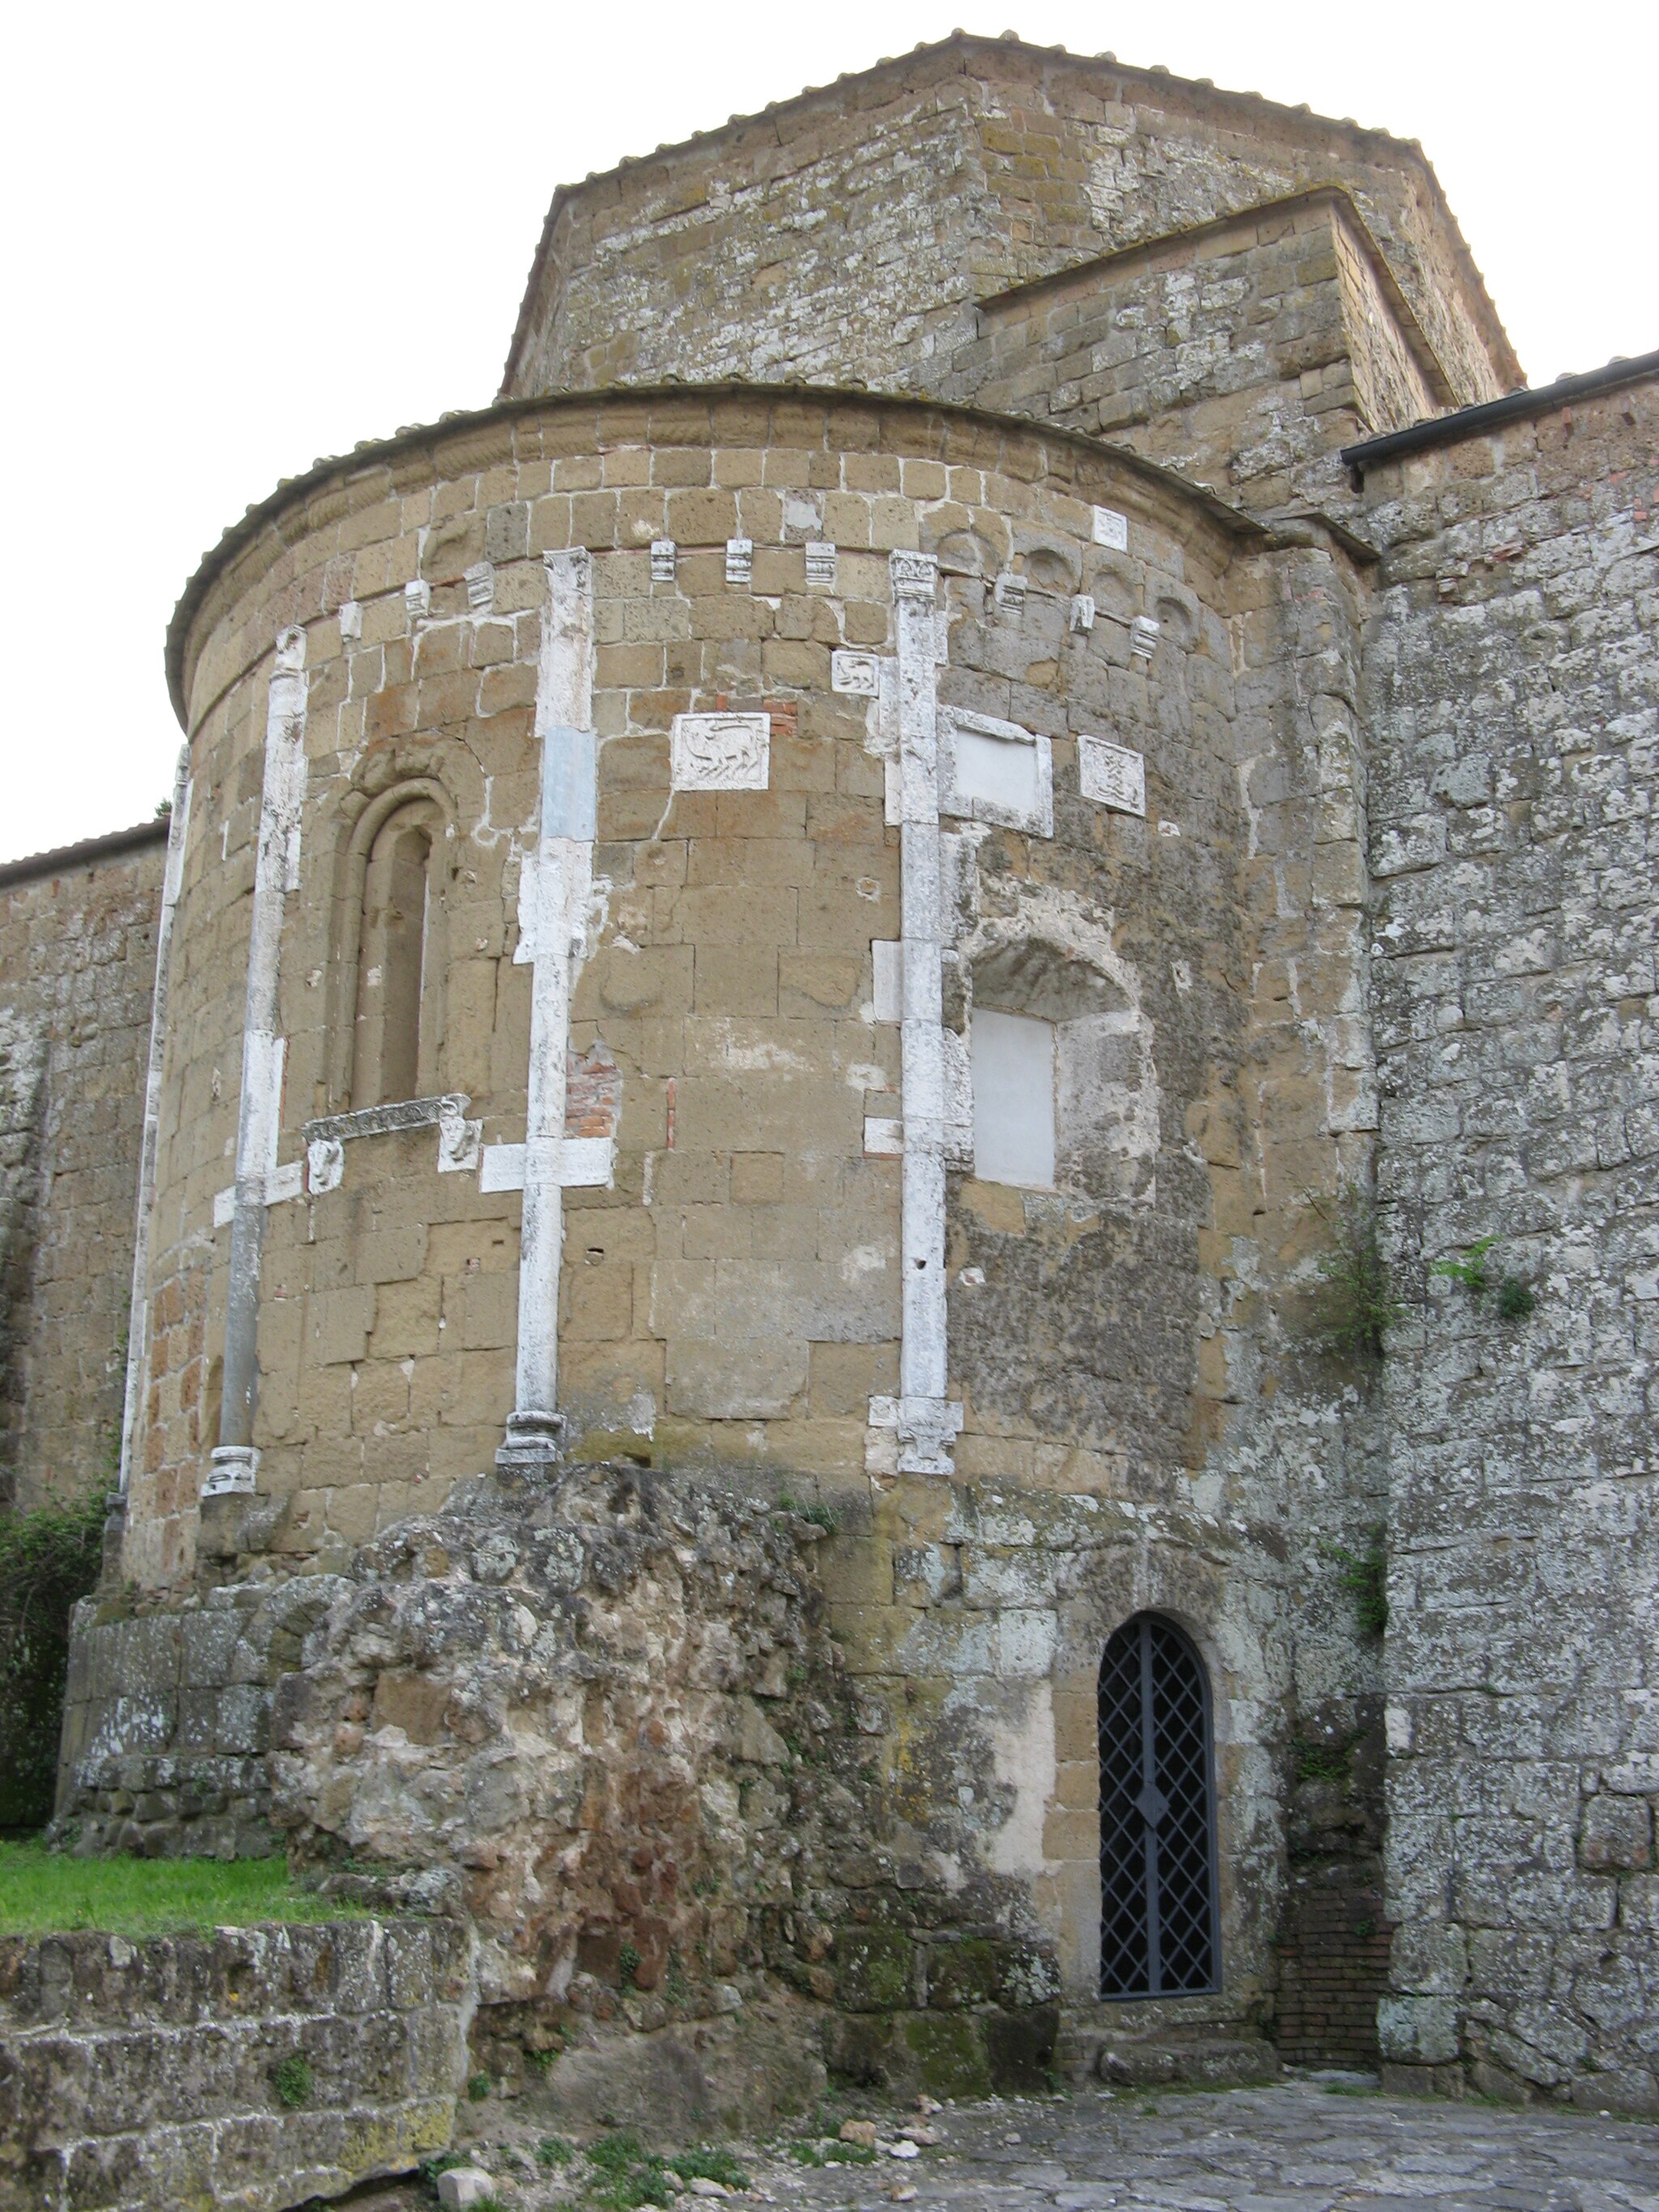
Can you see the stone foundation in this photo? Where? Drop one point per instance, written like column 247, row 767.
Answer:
column 139, row 2075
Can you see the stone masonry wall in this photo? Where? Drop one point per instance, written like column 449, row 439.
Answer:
column 1243, row 354
column 1514, row 687
column 77, row 969
column 848, row 235
column 143, row 2074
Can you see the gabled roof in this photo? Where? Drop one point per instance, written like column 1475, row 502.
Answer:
column 1513, row 407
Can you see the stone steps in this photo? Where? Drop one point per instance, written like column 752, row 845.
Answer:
column 1201, row 2042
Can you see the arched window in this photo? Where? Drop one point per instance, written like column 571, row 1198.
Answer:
column 397, row 1032
column 1159, row 1933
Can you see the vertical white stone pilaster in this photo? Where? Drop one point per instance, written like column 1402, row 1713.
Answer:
column 138, row 1311
column 552, row 924
column 926, row 1421
column 276, row 873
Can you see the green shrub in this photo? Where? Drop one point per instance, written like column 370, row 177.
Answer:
column 1367, row 1576
column 1354, row 1305
column 1318, row 1761
column 292, row 2081
column 832, row 2151
column 478, row 2087
column 706, row 2164
column 1515, row 1298
column 617, row 2152
column 49, row 1559
column 629, row 2175
column 1471, row 1269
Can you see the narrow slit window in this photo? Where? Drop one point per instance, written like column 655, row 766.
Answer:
column 1013, row 1080
column 400, row 972
column 404, row 963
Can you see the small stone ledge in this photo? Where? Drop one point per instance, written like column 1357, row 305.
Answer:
column 385, row 1120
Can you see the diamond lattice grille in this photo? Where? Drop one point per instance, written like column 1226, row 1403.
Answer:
column 1157, row 1816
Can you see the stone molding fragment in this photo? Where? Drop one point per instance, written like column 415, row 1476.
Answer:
column 856, row 674
column 927, row 1424
column 325, row 1139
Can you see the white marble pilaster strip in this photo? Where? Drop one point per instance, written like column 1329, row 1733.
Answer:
column 925, row 1423
column 552, row 924
column 276, row 873
column 138, row 1311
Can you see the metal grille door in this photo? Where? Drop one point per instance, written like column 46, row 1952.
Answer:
column 1157, row 1887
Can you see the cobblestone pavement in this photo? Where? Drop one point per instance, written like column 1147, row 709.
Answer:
column 1308, row 2144
column 1294, row 2148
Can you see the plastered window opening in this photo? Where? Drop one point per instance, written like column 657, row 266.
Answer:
column 1013, row 1058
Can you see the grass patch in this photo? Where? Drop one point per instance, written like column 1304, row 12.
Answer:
column 45, row 1892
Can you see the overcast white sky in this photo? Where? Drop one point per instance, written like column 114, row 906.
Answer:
column 242, row 237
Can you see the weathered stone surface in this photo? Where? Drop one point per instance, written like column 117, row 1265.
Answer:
column 1513, row 685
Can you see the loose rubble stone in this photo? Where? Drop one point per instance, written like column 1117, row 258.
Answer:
column 461, row 2187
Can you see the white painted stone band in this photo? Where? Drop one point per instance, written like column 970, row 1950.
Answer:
column 581, row 1163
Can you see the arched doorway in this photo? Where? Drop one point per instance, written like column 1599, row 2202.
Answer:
column 1159, row 1933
